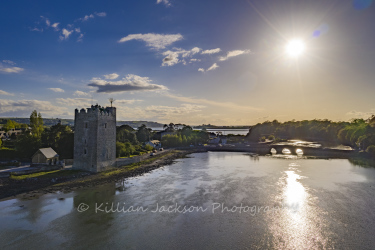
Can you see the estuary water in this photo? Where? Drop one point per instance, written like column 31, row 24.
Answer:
column 221, row 200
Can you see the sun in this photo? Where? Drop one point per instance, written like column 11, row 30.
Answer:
column 295, row 48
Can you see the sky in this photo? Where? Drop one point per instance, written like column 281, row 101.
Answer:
column 195, row 62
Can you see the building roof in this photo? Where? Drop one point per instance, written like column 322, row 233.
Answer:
column 155, row 141
column 48, row 152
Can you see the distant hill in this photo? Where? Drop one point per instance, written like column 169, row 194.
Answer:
column 70, row 122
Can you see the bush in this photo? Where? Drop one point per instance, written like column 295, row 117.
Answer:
column 262, row 139
column 371, row 150
column 271, row 137
column 149, row 147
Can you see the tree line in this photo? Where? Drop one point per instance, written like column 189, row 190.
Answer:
column 358, row 133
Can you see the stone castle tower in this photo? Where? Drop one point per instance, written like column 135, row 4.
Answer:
column 95, row 138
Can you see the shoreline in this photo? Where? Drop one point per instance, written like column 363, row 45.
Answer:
column 54, row 181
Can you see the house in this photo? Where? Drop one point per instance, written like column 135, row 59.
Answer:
column 14, row 131
column 45, row 156
column 218, row 140
column 154, row 143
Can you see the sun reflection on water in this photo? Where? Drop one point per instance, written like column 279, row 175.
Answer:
column 294, row 227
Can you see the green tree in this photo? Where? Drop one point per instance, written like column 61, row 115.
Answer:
column 26, row 145
column 143, row 133
column 186, row 130
column 126, row 133
column 36, row 124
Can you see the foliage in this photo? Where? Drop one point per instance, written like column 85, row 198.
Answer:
column 36, row 124
column 271, row 137
column 10, row 124
column 143, row 133
column 148, row 147
column 26, row 145
column 61, row 139
column 371, row 150
column 125, row 133
column 7, row 153
column 124, row 149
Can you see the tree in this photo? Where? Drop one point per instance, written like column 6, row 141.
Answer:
column 60, row 138
column 186, row 130
column 125, row 133
column 143, row 133
column 26, row 145
column 36, row 124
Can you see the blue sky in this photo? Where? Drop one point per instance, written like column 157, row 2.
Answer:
column 215, row 61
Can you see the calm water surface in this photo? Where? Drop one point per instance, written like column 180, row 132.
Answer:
column 231, row 200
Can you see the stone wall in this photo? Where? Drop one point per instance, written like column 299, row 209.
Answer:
column 130, row 160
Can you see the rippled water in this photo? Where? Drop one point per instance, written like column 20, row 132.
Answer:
column 211, row 200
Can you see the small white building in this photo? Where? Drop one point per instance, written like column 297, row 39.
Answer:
column 154, row 143
column 45, row 156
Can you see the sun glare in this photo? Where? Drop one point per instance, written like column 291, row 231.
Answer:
column 295, row 48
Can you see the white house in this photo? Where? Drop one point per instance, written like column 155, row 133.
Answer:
column 154, row 143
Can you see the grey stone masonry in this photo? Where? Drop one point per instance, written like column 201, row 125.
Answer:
column 95, row 138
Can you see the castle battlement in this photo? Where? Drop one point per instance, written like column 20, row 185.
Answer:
column 98, row 110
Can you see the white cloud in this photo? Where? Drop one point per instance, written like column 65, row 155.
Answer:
column 57, row 90
column 211, row 51
column 66, row 33
column 359, row 114
column 9, row 62
column 195, row 60
column 201, row 69
column 87, row 17
column 200, row 101
column 234, row 53
column 80, row 38
column 127, row 101
column 91, row 16
column 2, row 92
column 214, row 66
column 36, row 29
column 172, row 57
column 11, row 69
column 55, row 26
column 80, row 93
column 111, row 76
column 166, row 2
column 74, row 102
column 78, row 30
column 155, row 41
column 170, row 111
column 129, row 83
column 101, row 14
column 48, row 22
column 25, row 107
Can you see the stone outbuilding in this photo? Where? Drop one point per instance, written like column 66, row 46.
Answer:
column 45, row 156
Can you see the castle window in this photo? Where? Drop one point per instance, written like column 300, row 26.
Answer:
column 86, row 124
column 85, row 151
column 105, row 125
column 85, row 141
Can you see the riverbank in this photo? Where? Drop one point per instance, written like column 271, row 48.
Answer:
column 34, row 185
